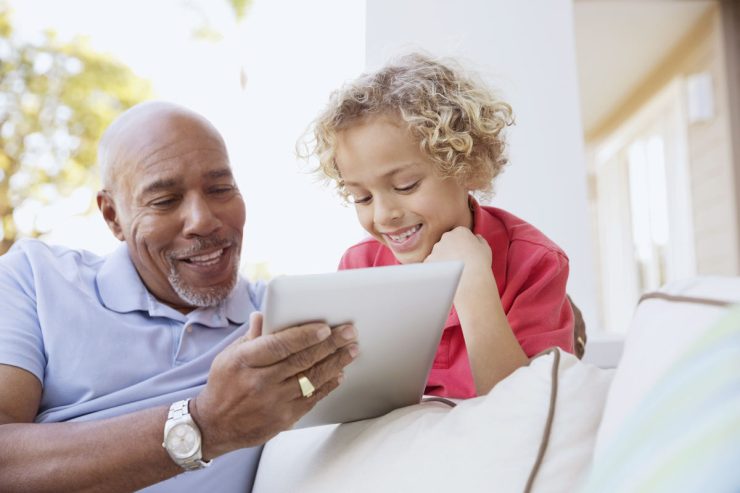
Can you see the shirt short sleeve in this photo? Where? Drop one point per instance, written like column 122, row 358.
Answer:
column 539, row 312
column 21, row 340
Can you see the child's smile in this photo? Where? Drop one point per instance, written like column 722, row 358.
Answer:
column 405, row 239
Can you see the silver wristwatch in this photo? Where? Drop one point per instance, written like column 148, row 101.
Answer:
column 182, row 438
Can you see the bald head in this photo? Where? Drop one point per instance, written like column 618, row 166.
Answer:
column 147, row 131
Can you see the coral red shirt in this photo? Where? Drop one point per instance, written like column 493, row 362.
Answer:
column 531, row 273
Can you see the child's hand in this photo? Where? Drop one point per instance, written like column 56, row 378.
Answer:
column 462, row 244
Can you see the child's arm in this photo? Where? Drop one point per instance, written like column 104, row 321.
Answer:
column 493, row 350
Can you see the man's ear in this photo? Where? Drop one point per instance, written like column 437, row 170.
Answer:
column 108, row 209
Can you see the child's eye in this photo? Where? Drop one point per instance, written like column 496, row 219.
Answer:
column 408, row 188
column 360, row 200
column 357, row 195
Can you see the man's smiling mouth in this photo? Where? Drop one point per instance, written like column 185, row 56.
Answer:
column 205, row 259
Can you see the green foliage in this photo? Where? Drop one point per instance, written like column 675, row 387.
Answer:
column 206, row 29
column 56, row 99
column 240, row 8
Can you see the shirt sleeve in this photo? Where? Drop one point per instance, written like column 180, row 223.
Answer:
column 539, row 312
column 21, row 340
column 343, row 263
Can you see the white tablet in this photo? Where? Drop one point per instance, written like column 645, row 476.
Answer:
column 399, row 312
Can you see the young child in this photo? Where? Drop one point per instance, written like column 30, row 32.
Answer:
column 408, row 145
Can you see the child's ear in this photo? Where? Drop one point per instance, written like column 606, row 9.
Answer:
column 108, row 208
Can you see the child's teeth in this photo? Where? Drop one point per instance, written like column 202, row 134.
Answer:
column 404, row 235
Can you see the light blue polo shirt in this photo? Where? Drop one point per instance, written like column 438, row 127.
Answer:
column 102, row 345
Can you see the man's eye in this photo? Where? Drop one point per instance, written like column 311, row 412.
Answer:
column 164, row 203
column 408, row 188
column 222, row 190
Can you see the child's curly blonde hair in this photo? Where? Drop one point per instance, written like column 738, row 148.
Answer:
column 458, row 122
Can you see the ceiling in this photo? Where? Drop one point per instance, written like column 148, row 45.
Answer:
column 618, row 42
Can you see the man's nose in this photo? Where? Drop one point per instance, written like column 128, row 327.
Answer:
column 199, row 217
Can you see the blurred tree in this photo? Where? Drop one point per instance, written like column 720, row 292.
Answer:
column 240, row 8
column 208, row 30
column 56, row 99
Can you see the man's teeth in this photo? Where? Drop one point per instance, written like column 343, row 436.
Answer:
column 208, row 259
column 405, row 234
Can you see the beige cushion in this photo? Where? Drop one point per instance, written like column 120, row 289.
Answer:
column 684, row 435
column 666, row 324
column 491, row 443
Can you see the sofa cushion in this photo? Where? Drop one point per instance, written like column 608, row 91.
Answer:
column 684, row 435
column 533, row 432
column 666, row 324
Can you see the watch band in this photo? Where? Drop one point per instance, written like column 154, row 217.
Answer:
column 179, row 414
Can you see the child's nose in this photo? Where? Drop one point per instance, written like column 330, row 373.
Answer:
column 386, row 212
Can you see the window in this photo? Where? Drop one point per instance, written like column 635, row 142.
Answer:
column 643, row 206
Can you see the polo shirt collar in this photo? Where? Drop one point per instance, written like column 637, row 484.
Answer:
column 494, row 232
column 122, row 290
column 119, row 284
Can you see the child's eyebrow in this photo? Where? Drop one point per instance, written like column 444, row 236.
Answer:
column 389, row 174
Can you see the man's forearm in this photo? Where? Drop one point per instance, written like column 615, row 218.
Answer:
column 117, row 454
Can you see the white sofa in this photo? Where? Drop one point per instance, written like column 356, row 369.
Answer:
column 667, row 419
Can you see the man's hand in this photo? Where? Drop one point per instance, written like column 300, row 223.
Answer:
column 253, row 392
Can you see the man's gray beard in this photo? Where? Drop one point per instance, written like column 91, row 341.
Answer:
column 203, row 297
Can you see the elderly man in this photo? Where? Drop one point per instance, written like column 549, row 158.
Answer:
column 120, row 372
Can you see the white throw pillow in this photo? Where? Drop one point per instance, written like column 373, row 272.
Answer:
column 684, row 436
column 666, row 324
column 489, row 443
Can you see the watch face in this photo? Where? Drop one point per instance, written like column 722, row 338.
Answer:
column 182, row 440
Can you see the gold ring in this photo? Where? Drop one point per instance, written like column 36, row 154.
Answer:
column 307, row 387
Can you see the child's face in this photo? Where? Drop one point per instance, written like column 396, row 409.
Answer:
column 399, row 198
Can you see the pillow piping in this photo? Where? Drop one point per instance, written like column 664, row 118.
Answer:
column 443, row 400
column 550, row 416
column 684, row 299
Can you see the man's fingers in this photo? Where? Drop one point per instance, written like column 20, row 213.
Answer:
column 262, row 374
column 270, row 349
column 255, row 326
column 342, row 336
column 285, row 377
column 299, row 405
column 291, row 388
column 321, row 374
column 319, row 393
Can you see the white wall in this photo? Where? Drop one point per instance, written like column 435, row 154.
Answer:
column 526, row 51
